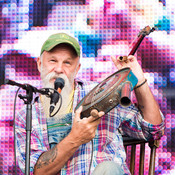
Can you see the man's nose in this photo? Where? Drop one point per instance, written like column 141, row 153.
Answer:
column 58, row 68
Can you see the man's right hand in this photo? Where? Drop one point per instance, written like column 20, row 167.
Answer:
column 83, row 130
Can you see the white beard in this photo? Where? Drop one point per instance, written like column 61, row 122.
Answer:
column 65, row 94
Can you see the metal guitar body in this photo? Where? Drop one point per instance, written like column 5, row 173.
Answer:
column 109, row 93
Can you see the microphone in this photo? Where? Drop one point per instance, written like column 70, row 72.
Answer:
column 58, row 85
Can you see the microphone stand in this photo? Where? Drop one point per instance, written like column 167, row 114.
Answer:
column 28, row 101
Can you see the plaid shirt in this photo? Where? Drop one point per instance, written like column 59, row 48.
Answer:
column 107, row 144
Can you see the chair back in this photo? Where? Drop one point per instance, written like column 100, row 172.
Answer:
column 132, row 143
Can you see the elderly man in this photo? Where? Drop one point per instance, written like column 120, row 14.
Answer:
column 67, row 144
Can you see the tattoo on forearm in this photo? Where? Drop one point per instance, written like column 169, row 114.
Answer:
column 47, row 158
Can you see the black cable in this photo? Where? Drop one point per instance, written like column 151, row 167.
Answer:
column 58, row 107
column 91, row 157
column 14, row 131
column 60, row 97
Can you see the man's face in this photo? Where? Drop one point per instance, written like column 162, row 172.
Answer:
column 59, row 61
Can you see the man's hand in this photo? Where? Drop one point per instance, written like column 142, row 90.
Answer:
column 83, row 130
column 132, row 63
column 146, row 102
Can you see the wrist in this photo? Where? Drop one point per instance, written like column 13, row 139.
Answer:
column 73, row 140
column 141, row 84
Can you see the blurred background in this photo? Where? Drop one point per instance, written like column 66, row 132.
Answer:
column 103, row 28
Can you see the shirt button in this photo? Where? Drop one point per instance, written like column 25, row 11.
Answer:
column 67, row 124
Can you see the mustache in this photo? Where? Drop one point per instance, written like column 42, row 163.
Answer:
column 54, row 75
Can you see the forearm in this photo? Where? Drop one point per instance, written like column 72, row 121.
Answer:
column 148, row 105
column 52, row 161
column 83, row 130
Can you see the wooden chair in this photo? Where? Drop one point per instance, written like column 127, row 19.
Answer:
column 132, row 143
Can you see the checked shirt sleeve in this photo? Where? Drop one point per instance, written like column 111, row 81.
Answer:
column 133, row 124
column 38, row 141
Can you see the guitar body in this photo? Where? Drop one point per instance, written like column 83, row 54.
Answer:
column 107, row 94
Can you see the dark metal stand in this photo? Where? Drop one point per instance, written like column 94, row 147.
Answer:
column 28, row 101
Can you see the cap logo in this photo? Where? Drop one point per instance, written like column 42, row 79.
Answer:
column 64, row 36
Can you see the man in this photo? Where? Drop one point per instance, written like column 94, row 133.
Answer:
column 65, row 143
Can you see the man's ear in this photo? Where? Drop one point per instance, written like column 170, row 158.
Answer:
column 78, row 68
column 39, row 64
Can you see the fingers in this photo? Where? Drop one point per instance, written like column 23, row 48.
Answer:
column 131, row 58
column 78, row 113
column 126, row 59
column 79, row 110
column 123, row 61
column 84, row 129
column 94, row 115
column 116, row 62
column 113, row 58
column 131, row 62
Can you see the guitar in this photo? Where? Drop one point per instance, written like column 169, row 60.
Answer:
column 114, row 89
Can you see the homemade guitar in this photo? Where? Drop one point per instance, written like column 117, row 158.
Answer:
column 114, row 89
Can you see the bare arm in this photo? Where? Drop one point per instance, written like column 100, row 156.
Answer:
column 148, row 105
column 146, row 101
column 83, row 130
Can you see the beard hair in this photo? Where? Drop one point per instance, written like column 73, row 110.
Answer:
column 65, row 93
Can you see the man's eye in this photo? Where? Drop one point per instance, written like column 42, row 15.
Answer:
column 52, row 60
column 67, row 62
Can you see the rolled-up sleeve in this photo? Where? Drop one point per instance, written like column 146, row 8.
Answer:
column 133, row 124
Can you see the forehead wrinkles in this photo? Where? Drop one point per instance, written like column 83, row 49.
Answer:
column 64, row 48
column 59, row 56
column 61, row 53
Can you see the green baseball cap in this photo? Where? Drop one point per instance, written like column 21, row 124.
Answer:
column 59, row 38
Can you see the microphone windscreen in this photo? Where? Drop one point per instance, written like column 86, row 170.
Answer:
column 59, row 83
